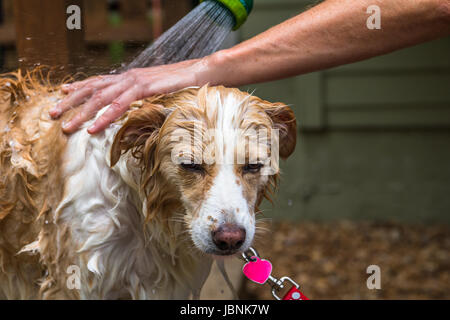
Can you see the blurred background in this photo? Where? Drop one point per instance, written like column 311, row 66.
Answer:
column 369, row 182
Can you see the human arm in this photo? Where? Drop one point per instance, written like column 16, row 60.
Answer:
column 330, row 34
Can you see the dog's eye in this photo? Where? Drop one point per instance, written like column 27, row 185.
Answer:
column 192, row 167
column 252, row 167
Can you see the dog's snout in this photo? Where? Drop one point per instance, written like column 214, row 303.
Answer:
column 228, row 237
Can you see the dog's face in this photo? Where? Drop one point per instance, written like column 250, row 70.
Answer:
column 215, row 150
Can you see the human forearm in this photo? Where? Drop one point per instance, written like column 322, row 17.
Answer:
column 330, row 34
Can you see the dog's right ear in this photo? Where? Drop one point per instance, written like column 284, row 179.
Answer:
column 139, row 132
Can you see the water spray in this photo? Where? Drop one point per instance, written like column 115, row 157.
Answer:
column 198, row 34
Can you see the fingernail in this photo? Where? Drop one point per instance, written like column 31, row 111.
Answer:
column 91, row 129
column 55, row 112
column 65, row 124
column 65, row 86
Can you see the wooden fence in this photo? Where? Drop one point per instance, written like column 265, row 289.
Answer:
column 36, row 30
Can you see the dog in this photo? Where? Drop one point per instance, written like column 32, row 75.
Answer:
column 140, row 210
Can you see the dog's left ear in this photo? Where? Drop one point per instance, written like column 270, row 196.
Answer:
column 139, row 132
column 283, row 119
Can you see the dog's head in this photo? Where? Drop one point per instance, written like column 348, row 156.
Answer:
column 212, row 151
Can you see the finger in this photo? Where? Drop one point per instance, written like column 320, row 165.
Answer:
column 72, row 100
column 70, row 87
column 73, row 124
column 117, row 108
column 77, row 97
column 95, row 103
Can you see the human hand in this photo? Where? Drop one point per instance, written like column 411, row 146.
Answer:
column 119, row 91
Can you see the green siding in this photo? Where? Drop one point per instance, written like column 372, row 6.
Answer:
column 398, row 175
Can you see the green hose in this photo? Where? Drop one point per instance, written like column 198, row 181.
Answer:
column 239, row 8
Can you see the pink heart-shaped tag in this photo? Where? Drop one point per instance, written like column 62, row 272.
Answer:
column 258, row 271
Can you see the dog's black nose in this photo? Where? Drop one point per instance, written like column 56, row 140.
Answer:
column 228, row 237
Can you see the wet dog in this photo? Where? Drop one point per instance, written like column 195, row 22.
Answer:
column 139, row 210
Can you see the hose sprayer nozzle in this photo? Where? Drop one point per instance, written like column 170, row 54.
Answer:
column 239, row 8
